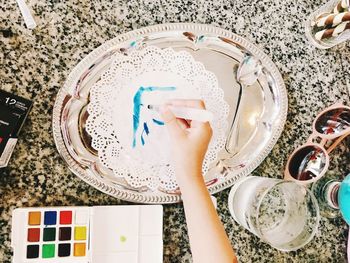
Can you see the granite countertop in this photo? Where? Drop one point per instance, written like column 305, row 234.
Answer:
column 36, row 63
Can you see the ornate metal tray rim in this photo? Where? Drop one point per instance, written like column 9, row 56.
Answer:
column 163, row 198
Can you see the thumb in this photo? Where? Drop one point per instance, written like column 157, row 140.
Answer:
column 170, row 121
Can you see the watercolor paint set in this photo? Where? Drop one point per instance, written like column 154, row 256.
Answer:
column 109, row 234
column 13, row 113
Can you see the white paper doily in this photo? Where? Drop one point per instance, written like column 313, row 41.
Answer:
column 137, row 148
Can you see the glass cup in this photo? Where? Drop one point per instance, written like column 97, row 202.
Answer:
column 325, row 27
column 282, row 213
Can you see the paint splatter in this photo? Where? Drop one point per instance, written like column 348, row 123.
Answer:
column 137, row 108
column 123, row 239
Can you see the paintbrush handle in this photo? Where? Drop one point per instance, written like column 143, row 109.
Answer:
column 28, row 18
column 192, row 114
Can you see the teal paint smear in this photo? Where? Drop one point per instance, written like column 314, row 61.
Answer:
column 344, row 198
column 137, row 107
column 158, row 122
column 200, row 38
column 142, row 140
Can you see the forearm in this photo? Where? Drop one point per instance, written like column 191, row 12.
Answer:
column 209, row 241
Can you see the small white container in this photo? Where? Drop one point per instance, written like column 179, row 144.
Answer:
column 310, row 29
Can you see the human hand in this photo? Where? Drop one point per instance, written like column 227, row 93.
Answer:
column 189, row 144
column 189, row 140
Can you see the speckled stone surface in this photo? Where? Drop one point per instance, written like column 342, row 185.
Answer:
column 35, row 64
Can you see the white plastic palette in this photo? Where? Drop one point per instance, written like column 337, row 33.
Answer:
column 106, row 234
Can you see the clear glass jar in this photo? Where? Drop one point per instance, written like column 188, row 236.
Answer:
column 326, row 191
column 328, row 36
column 333, row 197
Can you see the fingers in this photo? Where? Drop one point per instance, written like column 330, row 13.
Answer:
column 170, row 121
column 196, row 124
column 198, row 104
column 184, row 124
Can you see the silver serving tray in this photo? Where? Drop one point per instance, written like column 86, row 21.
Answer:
column 262, row 116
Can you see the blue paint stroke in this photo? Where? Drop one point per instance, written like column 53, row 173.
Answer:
column 137, row 107
column 158, row 122
column 145, row 128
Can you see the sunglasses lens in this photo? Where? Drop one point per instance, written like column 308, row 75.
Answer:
column 333, row 121
column 307, row 163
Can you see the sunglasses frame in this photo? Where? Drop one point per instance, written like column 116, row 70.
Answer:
column 324, row 138
column 289, row 177
column 337, row 105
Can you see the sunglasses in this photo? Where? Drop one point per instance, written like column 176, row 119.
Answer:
column 309, row 162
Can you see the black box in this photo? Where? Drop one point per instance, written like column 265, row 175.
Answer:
column 13, row 112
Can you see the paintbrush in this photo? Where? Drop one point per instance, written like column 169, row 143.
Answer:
column 28, row 18
column 186, row 112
